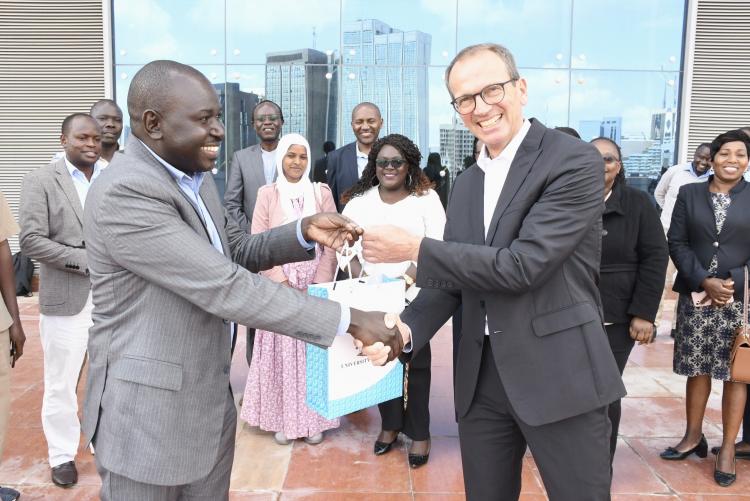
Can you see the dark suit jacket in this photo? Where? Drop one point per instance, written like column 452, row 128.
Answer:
column 342, row 172
column 318, row 173
column 246, row 176
column 693, row 239
column 533, row 278
column 634, row 257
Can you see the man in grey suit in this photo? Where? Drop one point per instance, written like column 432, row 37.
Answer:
column 51, row 216
column 250, row 169
column 521, row 252
column 168, row 278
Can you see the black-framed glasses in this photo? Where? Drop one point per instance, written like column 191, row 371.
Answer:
column 270, row 118
column 492, row 94
column 608, row 159
column 396, row 163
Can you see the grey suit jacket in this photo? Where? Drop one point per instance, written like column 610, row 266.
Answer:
column 51, row 218
column 164, row 298
column 533, row 278
column 246, row 176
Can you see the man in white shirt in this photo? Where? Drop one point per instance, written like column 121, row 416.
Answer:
column 50, row 216
column 345, row 165
column 678, row 175
column 521, row 253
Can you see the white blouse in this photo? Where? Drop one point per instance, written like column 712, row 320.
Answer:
column 423, row 216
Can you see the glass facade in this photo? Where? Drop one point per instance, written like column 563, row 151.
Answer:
column 602, row 67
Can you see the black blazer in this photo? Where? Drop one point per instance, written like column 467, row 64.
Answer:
column 634, row 257
column 693, row 239
column 342, row 172
column 533, row 277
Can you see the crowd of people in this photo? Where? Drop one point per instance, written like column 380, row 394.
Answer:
column 551, row 266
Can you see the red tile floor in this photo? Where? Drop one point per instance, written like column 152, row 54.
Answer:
column 343, row 466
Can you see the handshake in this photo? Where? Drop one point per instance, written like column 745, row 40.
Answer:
column 380, row 337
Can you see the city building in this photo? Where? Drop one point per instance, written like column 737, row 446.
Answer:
column 239, row 132
column 387, row 67
column 456, row 143
column 304, row 83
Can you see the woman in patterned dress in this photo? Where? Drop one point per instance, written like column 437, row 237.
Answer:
column 709, row 241
column 275, row 394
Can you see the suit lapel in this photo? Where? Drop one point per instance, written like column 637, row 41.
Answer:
column 527, row 154
column 257, row 168
column 210, row 198
column 350, row 161
column 63, row 178
column 476, row 205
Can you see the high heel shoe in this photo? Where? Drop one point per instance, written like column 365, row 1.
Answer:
column 417, row 460
column 381, row 448
column 700, row 450
column 723, row 478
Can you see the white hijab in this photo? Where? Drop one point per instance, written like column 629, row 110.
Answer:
column 302, row 188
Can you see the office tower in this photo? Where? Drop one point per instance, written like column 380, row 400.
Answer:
column 456, row 143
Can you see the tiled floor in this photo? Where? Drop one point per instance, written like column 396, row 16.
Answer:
column 343, row 466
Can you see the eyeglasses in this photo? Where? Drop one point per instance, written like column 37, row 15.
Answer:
column 396, row 163
column 492, row 94
column 263, row 118
column 608, row 159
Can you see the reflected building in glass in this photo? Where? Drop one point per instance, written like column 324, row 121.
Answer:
column 387, row 67
column 238, row 109
column 304, row 83
column 456, row 143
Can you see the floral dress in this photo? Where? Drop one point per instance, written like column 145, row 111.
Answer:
column 705, row 335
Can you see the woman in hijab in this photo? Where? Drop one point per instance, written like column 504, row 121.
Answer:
column 275, row 394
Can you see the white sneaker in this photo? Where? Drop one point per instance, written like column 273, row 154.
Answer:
column 281, row 438
column 315, row 439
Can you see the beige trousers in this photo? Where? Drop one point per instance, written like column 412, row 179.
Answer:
column 4, row 385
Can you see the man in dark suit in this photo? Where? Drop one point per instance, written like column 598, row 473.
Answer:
column 169, row 273
column 250, row 169
column 318, row 173
column 345, row 165
column 521, row 249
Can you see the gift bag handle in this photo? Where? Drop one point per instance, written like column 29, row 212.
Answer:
column 745, row 295
column 347, row 254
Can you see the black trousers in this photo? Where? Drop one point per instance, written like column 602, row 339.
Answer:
column 621, row 344
column 414, row 422
column 572, row 454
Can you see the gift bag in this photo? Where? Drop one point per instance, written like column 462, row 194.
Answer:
column 339, row 380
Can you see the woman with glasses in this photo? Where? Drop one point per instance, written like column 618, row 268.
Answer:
column 709, row 242
column 633, row 264
column 394, row 190
column 275, row 394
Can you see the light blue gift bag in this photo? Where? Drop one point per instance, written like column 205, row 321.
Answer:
column 339, row 381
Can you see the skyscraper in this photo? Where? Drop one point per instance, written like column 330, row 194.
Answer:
column 456, row 143
column 387, row 67
column 238, row 125
column 305, row 84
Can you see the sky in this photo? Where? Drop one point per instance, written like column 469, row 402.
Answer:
column 583, row 59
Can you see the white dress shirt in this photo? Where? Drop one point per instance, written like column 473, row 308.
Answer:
column 80, row 182
column 669, row 186
column 496, row 171
column 361, row 160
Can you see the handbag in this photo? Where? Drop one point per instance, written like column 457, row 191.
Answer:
column 740, row 360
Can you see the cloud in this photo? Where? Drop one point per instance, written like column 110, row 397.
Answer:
column 140, row 19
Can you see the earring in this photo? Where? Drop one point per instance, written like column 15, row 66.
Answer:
column 408, row 179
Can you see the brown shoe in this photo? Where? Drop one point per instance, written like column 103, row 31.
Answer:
column 65, row 475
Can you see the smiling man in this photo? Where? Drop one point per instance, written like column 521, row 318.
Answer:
column 345, row 165
column 169, row 274
column 521, row 252
column 51, row 216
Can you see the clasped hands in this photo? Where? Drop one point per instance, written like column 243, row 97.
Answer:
column 379, row 336
column 718, row 292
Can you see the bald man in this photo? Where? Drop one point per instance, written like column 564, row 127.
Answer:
column 169, row 275
column 345, row 165
column 51, row 216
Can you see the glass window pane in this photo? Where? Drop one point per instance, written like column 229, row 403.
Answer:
column 643, row 123
column 254, row 30
column 189, row 31
column 537, row 32
column 639, row 34
column 548, row 96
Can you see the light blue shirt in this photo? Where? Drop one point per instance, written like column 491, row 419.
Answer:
column 80, row 182
column 191, row 187
column 269, row 164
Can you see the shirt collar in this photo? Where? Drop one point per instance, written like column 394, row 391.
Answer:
column 194, row 181
column 509, row 153
column 689, row 168
column 359, row 153
column 72, row 169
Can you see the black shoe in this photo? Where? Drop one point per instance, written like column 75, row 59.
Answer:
column 737, row 454
column 8, row 494
column 700, row 450
column 381, row 448
column 672, row 333
column 417, row 460
column 723, row 478
column 65, row 475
